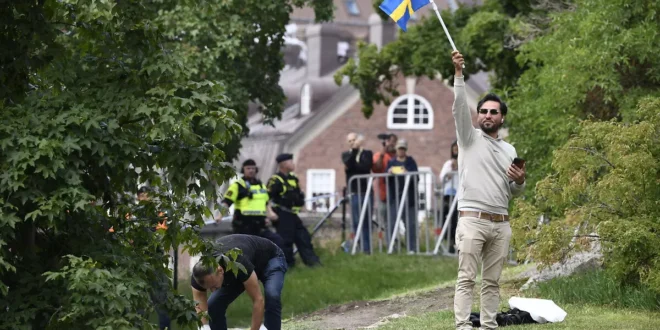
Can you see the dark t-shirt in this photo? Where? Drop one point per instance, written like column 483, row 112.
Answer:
column 257, row 252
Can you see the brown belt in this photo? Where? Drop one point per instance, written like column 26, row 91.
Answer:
column 484, row 216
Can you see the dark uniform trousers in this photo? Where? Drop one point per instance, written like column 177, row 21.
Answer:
column 291, row 229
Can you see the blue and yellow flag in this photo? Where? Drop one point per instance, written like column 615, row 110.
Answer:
column 402, row 10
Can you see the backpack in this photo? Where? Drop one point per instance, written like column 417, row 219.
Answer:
column 510, row 317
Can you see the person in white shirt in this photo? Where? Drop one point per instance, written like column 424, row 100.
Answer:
column 449, row 180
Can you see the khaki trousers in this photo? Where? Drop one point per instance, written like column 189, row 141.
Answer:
column 489, row 241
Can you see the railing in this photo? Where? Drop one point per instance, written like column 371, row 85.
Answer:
column 398, row 218
column 445, row 226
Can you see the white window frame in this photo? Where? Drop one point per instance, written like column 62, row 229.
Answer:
column 309, row 185
column 410, row 113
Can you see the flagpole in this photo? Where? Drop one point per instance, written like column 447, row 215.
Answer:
column 437, row 13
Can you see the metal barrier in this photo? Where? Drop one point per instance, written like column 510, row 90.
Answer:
column 445, row 225
column 399, row 217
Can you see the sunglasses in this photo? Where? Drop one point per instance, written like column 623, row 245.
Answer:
column 493, row 112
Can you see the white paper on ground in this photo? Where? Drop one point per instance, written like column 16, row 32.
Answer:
column 541, row 310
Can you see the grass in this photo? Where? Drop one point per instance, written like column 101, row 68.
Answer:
column 593, row 300
column 580, row 317
column 344, row 278
column 597, row 288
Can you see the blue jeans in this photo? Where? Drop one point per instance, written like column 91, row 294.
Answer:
column 356, row 205
column 409, row 219
column 273, row 281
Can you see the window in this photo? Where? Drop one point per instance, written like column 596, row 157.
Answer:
column 352, row 7
column 342, row 51
column 320, row 182
column 410, row 111
column 424, row 188
column 305, row 100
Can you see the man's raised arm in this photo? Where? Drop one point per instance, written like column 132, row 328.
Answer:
column 464, row 129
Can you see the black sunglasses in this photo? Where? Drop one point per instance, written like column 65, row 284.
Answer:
column 493, row 112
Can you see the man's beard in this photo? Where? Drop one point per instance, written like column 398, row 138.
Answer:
column 493, row 128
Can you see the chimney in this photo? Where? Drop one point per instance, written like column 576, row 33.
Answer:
column 322, row 47
column 381, row 32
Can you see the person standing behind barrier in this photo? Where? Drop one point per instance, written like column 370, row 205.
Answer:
column 403, row 164
column 287, row 199
column 250, row 199
column 381, row 159
column 358, row 161
column 449, row 176
column 488, row 180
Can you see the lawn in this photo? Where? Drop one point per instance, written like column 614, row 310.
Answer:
column 593, row 300
column 344, row 278
column 580, row 317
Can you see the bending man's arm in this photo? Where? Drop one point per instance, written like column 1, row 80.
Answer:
column 202, row 306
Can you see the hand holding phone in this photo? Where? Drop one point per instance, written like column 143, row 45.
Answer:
column 519, row 162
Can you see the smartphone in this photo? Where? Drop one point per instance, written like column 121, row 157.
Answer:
column 519, row 162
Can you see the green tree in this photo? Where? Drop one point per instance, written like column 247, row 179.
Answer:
column 98, row 96
column 605, row 186
column 586, row 117
column 597, row 62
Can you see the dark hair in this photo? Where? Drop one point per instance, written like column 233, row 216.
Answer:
column 451, row 149
column 249, row 162
column 493, row 97
column 201, row 270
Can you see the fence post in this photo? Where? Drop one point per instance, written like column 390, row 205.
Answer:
column 343, row 216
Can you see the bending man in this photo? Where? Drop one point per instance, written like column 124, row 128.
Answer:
column 264, row 262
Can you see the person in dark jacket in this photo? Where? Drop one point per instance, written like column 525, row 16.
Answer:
column 358, row 161
column 287, row 199
column 399, row 166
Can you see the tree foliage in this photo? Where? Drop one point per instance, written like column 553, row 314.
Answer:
column 98, row 97
column 605, row 185
column 597, row 61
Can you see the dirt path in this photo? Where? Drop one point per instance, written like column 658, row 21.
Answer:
column 370, row 314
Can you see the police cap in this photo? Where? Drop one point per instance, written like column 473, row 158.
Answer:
column 283, row 157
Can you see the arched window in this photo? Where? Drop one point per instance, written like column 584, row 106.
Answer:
column 410, row 111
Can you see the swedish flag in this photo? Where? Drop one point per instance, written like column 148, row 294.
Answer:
column 401, row 10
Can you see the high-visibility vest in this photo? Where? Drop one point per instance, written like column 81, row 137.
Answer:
column 251, row 206
column 290, row 184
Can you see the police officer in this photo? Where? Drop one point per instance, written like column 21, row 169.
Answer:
column 287, row 199
column 250, row 199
